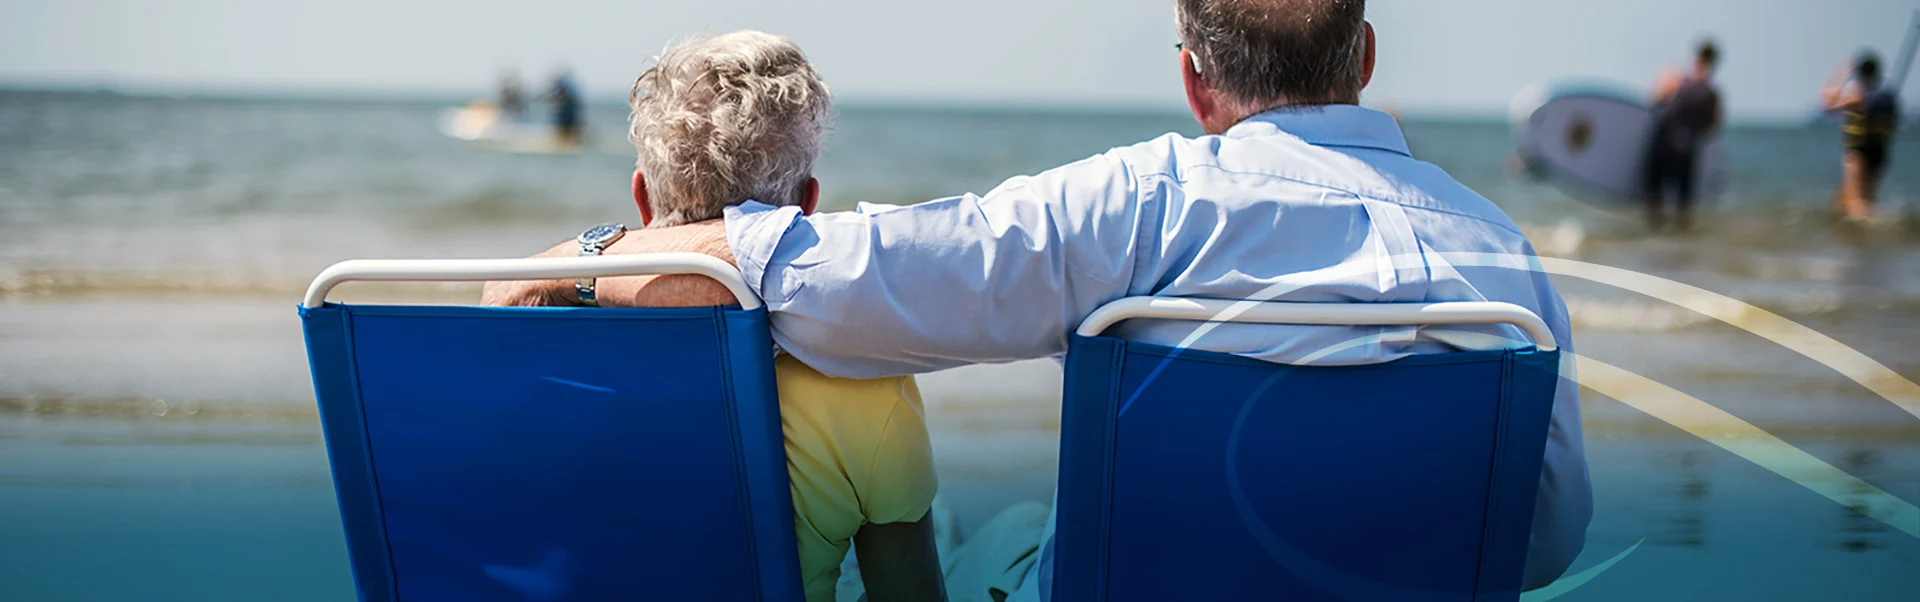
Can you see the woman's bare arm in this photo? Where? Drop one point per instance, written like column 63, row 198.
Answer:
column 532, row 293
column 709, row 237
column 899, row 563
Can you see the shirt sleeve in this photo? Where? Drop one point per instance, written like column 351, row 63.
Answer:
column 884, row 291
column 899, row 483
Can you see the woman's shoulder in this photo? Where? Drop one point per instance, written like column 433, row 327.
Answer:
column 871, row 431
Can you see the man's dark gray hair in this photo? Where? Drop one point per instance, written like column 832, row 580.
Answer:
column 1265, row 53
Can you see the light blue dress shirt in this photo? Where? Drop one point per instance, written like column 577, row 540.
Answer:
column 1312, row 204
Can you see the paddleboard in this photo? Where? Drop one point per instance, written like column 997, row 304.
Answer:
column 1592, row 140
column 487, row 129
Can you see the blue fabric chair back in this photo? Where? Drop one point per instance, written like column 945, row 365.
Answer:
column 1189, row 475
column 555, row 453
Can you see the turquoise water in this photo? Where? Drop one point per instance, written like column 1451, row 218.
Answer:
column 158, row 441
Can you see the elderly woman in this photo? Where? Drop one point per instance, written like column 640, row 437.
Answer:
column 739, row 117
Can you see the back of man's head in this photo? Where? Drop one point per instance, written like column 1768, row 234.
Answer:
column 1867, row 67
column 1707, row 55
column 1265, row 53
column 725, row 120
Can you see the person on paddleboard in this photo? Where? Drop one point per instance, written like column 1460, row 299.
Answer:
column 513, row 100
column 1871, row 113
column 1687, row 115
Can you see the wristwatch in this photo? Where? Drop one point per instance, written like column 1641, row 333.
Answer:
column 592, row 242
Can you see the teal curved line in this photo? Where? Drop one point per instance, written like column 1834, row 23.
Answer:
column 1570, row 582
column 1849, row 362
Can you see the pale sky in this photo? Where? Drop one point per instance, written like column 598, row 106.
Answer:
column 1457, row 56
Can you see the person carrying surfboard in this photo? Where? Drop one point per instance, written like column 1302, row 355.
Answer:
column 1871, row 112
column 1687, row 115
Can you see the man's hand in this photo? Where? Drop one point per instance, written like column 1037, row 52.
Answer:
column 1665, row 86
column 708, row 237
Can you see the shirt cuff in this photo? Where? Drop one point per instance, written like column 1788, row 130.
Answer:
column 754, row 231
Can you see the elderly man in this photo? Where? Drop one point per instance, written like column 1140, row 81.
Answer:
column 1294, row 194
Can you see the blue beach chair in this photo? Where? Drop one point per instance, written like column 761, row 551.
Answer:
column 554, row 453
column 1189, row 475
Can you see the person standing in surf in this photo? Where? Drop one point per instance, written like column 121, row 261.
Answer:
column 566, row 108
column 1687, row 116
column 1872, row 113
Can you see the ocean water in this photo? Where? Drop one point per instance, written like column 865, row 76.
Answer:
column 158, row 439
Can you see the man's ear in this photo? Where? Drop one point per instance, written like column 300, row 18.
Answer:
column 1366, row 64
column 640, row 198
column 810, row 196
column 1200, row 100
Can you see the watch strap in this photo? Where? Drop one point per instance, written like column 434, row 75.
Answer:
column 592, row 242
column 584, row 288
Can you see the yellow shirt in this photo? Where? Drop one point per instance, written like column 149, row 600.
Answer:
column 857, row 454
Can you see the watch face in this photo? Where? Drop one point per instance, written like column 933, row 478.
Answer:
column 602, row 234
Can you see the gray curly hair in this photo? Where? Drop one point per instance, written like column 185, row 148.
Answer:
column 721, row 121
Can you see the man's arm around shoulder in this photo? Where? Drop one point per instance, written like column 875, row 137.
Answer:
column 709, row 238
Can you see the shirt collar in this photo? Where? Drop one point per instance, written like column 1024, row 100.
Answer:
column 1327, row 125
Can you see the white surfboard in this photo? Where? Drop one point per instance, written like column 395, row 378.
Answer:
column 487, row 129
column 1593, row 140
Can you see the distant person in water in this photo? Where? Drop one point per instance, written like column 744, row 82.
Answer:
column 1687, row 116
column 566, row 108
column 1872, row 114
column 513, row 101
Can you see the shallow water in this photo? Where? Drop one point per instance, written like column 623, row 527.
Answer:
column 158, row 439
